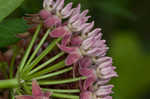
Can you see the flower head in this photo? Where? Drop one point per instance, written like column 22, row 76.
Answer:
column 83, row 45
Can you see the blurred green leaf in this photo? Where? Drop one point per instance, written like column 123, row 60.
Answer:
column 132, row 65
column 8, row 30
column 8, row 6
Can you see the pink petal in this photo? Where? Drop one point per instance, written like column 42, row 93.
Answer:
column 86, row 72
column 24, row 97
column 110, row 75
column 81, row 28
column 65, row 40
column 105, row 64
column 60, row 5
column 76, row 41
column 36, row 90
column 77, row 24
column 74, row 18
column 107, row 97
column 86, row 95
column 107, row 70
column 84, row 13
column 88, row 28
column 88, row 82
column 103, row 59
column 59, row 32
column 85, row 62
column 67, row 49
column 94, row 51
column 46, row 94
column 107, row 86
column 56, row 4
column 66, row 12
column 99, row 43
column 94, row 32
column 52, row 21
column 76, row 10
column 72, row 58
column 102, row 82
column 104, row 91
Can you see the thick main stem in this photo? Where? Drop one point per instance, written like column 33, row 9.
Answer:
column 10, row 83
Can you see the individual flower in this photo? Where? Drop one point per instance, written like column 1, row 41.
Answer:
column 36, row 93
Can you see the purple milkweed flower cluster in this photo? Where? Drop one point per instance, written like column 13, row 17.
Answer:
column 84, row 46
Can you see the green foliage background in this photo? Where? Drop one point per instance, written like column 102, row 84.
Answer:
column 125, row 25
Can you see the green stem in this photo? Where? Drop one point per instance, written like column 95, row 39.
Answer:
column 62, row 90
column 11, row 70
column 38, row 47
column 46, row 63
column 41, row 56
column 46, row 70
column 54, row 74
column 10, row 83
column 11, row 94
column 65, row 96
column 23, row 61
column 60, row 81
column 26, row 88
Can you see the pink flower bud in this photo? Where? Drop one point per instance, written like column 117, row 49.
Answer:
column 52, row 21
column 72, row 58
column 44, row 14
column 66, row 12
column 59, row 32
column 86, row 95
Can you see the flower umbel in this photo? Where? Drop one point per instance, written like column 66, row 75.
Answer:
column 66, row 40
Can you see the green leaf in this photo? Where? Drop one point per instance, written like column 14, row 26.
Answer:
column 8, row 6
column 8, row 30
